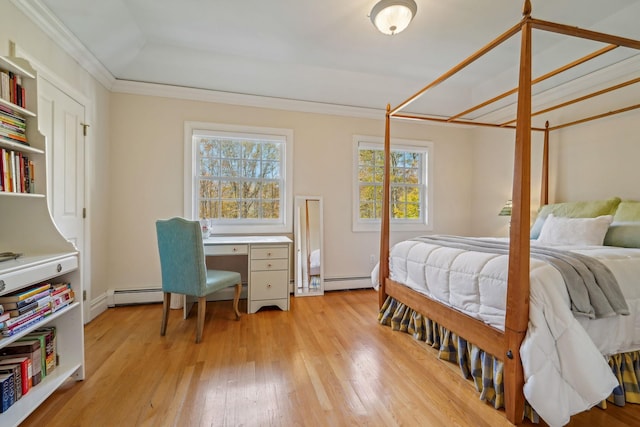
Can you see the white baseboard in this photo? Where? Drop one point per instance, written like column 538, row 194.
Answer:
column 120, row 297
column 116, row 297
column 98, row 306
column 344, row 283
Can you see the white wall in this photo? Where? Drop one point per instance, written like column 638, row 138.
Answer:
column 597, row 160
column 589, row 161
column 147, row 177
column 493, row 152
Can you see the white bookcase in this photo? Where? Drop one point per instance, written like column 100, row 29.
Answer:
column 26, row 227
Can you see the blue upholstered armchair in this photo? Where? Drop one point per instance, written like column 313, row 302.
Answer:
column 184, row 270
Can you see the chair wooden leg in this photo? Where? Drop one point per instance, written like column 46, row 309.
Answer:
column 165, row 312
column 202, row 307
column 236, row 298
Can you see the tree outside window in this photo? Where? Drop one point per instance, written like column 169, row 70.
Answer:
column 239, row 179
column 408, row 176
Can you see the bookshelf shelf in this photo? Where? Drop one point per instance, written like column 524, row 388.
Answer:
column 16, row 146
column 17, row 108
column 18, row 66
column 32, row 195
column 47, row 256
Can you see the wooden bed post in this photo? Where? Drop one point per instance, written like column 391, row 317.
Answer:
column 517, row 310
column 544, row 184
column 383, row 262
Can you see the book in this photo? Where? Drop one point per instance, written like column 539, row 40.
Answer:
column 11, row 331
column 7, row 388
column 24, row 302
column 14, row 369
column 26, row 371
column 52, row 346
column 24, row 293
column 30, row 349
column 41, row 338
column 59, row 287
column 4, row 85
column 62, row 300
column 31, row 306
column 47, row 341
column 14, row 322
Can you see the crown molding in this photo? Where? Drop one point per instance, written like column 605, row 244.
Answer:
column 53, row 27
column 206, row 95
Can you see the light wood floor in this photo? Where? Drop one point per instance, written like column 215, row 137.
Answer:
column 324, row 363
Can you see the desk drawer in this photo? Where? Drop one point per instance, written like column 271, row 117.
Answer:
column 226, row 249
column 270, row 252
column 269, row 285
column 269, row 264
column 19, row 278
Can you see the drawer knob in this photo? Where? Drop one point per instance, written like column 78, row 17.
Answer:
column 59, row 268
column 268, row 253
column 235, row 249
column 269, row 265
column 268, row 285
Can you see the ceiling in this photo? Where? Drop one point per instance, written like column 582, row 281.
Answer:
column 328, row 51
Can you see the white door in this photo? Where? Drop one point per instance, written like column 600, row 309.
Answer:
column 61, row 121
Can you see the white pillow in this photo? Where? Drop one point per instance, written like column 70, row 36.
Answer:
column 575, row 231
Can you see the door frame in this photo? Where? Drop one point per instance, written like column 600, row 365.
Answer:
column 43, row 72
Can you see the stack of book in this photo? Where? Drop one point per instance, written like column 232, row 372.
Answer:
column 16, row 172
column 12, row 126
column 61, row 296
column 26, row 307
column 11, row 88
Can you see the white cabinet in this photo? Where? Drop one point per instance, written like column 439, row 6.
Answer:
column 26, row 227
column 269, row 282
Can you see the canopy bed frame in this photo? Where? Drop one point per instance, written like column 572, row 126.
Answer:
column 502, row 344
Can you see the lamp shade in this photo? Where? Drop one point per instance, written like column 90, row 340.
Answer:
column 506, row 209
column 393, row 16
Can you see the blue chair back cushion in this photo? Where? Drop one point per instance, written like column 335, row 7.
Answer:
column 182, row 257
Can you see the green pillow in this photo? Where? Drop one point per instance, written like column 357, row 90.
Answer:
column 582, row 209
column 623, row 234
column 627, row 211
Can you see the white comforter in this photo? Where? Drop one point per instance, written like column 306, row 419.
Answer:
column 565, row 371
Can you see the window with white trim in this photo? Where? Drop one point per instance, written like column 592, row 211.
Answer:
column 239, row 177
column 409, row 192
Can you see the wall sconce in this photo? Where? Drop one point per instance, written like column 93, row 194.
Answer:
column 506, row 209
column 392, row 16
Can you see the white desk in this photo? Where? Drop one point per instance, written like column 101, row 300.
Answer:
column 267, row 266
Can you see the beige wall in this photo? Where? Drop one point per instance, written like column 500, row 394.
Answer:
column 147, row 149
column 597, row 160
column 594, row 160
column 493, row 152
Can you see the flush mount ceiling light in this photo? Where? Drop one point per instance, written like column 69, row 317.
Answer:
column 393, row 16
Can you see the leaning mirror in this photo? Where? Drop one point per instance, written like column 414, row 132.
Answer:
column 309, row 268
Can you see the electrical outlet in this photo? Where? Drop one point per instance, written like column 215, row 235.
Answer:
column 372, row 259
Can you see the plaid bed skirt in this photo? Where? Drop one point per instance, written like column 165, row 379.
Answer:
column 484, row 369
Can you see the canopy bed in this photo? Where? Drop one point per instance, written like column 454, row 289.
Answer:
column 501, row 333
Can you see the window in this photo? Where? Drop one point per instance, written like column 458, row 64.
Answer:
column 236, row 176
column 409, row 190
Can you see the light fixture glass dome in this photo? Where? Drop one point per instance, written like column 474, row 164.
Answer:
column 392, row 16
